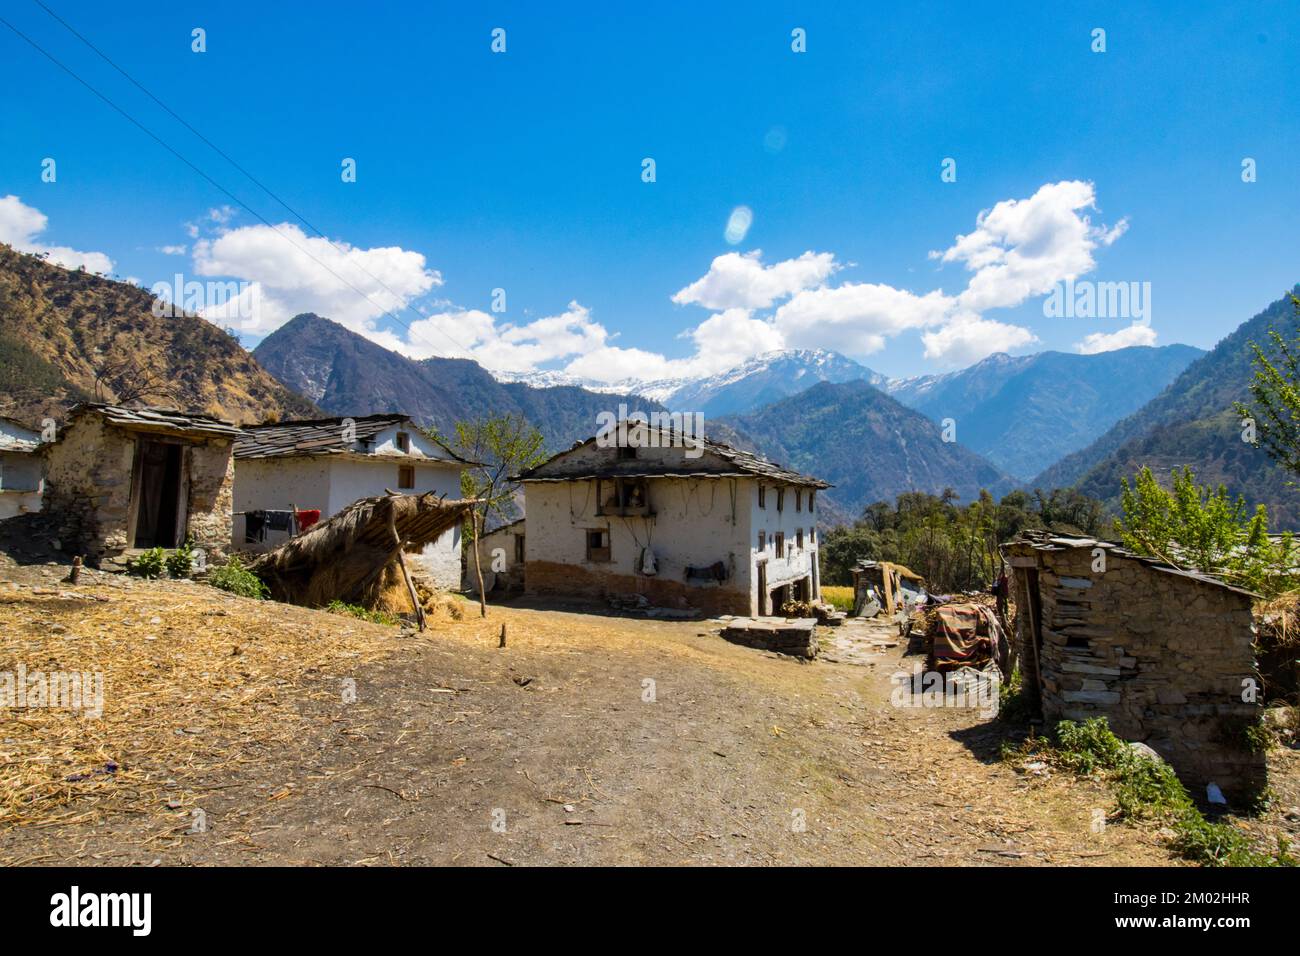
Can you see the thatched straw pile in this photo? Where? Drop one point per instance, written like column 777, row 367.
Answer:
column 344, row 558
column 1277, row 646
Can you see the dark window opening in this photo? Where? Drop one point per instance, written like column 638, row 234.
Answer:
column 798, row 539
column 519, row 549
column 798, row 499
column 598, row 545
column 778, row 541
column 780, row 499
column 762, row 496
column 762, row 541
column 626, row 452
column 406, row 476
column 403, row 442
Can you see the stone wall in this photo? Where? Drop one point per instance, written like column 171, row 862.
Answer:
column 1164, row 656
column 88, row 490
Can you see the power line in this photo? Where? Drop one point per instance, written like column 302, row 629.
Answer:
column 212, row 181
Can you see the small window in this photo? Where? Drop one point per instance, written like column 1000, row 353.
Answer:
column 779, row 541
column 780, row 499
column 762, row 496
column 798, row 539
column 519, row 549
column 626, row 452
column 762, row 541
column 798, row 499
column 812, row 535
column 811, row 495
column 598, row 545
column 405, row 476
column 404, row 443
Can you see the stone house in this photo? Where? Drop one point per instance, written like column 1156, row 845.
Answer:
column 22, row 469
column 1165, row 654
column 326, row 464
column 122, row 479
column 705, row 526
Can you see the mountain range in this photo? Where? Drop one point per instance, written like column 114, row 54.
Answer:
column 868, row 445
column 1024, row 413
column 347, row 374
column 1193, row 421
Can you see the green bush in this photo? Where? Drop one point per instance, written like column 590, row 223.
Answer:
column 180, row 563
column 1146, row 789
column 235, row 578
column 148, row 564
column 361, row 613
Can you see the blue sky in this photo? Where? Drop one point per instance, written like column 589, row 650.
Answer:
column 522, row 171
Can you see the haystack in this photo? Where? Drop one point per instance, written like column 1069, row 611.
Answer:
column 344, row 558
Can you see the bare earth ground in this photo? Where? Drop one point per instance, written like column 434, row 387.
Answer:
column 456, row 751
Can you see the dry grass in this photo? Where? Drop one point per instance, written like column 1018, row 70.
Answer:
column 839, row 597
column 194, row 681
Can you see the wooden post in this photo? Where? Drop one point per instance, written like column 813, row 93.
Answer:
column 74, row 575
column 503, row 636
column 478, row 564
column 401, row 561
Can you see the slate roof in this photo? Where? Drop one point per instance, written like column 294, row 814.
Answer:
column 323, row 436
column 165, row 420
column 17, row 442
column 738, row 464
column 1047, row 541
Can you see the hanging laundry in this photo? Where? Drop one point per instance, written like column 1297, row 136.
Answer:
column 254, row 526
column 307, row 518
column 279, row 520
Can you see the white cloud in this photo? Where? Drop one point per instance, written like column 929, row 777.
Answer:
column 1022, row 247
column 855, row 317
column 1136, row 334
column 20, row 224
column 969, row 338
column 177, row 250
column 300, row 273
column 736, row 281
column 471, row 333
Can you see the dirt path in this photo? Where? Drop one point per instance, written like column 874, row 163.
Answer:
column 588, row 739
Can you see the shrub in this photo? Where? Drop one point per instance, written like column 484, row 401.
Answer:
column 148, row 564
column 235, row 578
column 1149, row 789
column 361, row 613
column 180, row 563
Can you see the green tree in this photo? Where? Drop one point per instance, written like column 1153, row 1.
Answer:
column 498, row 448
column 1200, row 528
column 1274, row 419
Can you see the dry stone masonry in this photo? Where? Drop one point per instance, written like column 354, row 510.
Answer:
column 1165, row 655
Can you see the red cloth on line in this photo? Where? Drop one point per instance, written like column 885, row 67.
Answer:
column 307, row 518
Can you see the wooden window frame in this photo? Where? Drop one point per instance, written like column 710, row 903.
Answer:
column 403, row 442
column 402, row 472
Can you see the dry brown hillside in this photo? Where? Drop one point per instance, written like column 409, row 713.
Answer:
column 62, row 331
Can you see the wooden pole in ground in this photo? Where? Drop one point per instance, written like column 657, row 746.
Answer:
column 503, row 636
column 401, row 561
column 478, row 565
